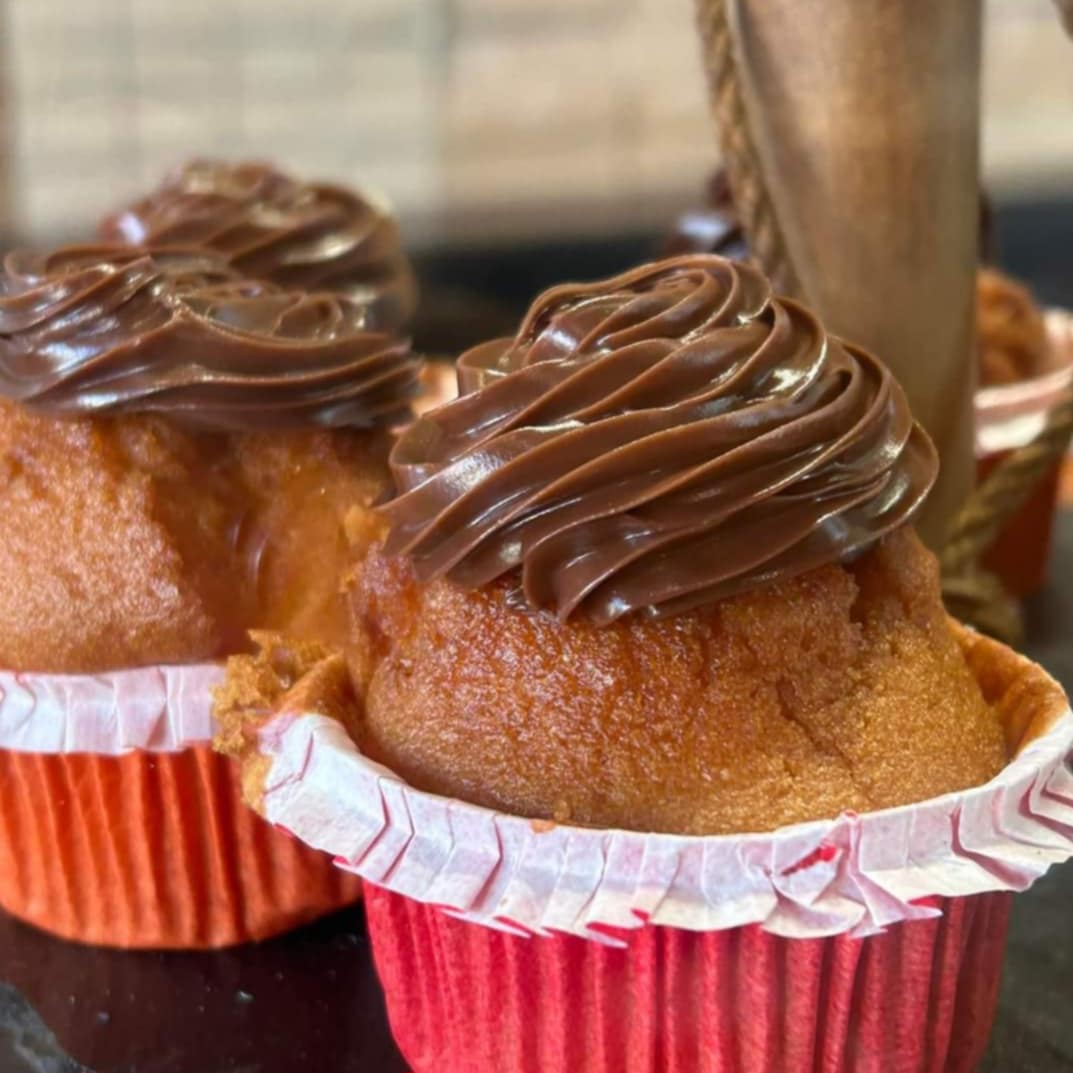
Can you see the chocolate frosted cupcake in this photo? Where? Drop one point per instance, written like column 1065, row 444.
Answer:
column 652, row 740
column 309, row 236
column 212, row 428
column 174, row 439
column 671, row 516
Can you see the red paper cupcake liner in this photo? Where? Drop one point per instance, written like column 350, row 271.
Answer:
column 119, row 826
column 865, row 943
column 463, row 998
column 151, row 850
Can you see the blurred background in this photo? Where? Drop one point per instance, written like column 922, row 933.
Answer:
column 519, row 141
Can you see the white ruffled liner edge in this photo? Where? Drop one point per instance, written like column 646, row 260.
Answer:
column 856, row 874
column 157, row 709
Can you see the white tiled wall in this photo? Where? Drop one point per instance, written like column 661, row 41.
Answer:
column 491, row 116
column 469, row 114
column 1028, row 97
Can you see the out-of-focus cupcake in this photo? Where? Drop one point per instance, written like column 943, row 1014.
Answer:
column 1010, row 329
column 305, row 236
column 438, row 385
column 1026, row 365
column 175, row 439
column 652, row 659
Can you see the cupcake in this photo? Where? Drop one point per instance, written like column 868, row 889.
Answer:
column 651, row 733
column 1010, row 328
column 174, row 439
column 305, row 236
column 1026, row 366
column 657, row 476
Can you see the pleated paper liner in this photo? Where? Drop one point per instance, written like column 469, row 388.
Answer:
column 918, row 998
column 119, row 826
column 864, row 944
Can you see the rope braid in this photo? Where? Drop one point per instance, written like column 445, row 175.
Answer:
column 752, row 202
column 971, row 592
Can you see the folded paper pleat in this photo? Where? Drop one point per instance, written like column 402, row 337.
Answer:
column 160, row 708
column 918, row 998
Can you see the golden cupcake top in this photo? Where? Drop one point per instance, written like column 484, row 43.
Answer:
column 268, row 225
column 110, row 329
column 1011, row 330
column 655, row 442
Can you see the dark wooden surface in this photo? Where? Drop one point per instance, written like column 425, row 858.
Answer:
column 310, row 1000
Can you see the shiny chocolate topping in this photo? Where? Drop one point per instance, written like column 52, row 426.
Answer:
column 654, row 442
column 106, row 330
column 301, row 236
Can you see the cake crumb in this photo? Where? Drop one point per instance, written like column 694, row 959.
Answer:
column 281, row 676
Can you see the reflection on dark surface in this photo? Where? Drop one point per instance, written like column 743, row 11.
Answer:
column 308, row 1001
column 25, row 1042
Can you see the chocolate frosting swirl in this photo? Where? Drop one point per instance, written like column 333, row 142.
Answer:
column 654, row 442
column 111, row 330
column 301, row 236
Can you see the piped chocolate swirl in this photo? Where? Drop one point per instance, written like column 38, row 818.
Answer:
column 654, row 442
column 302, row 236
column 107, row 330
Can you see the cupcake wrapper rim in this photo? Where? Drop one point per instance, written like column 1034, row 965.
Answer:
column 855, row 874
column 158, row 709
